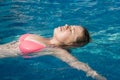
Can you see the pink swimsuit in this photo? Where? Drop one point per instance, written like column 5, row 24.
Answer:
column 28, row 46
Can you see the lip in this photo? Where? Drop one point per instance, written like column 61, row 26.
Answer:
column 59, row 28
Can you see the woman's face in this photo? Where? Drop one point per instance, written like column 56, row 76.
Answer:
column 67, row 34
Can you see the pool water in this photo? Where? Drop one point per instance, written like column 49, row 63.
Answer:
column 100, row 17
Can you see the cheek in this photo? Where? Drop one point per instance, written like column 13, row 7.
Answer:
column 62, row 36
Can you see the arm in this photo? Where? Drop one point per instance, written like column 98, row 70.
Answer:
column 9, row 49
column 73, row 62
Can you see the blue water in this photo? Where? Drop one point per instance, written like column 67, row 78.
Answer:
column 100, row 17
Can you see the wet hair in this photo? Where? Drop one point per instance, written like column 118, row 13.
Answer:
column 85, row 38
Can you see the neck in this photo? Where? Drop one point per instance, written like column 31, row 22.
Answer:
column 53, row 41
column 49, row 41
column 46, row 41
column 56, row 43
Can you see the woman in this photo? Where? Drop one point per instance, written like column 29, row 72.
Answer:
column 64, row 37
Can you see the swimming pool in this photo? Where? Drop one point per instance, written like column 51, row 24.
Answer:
column 100, row 17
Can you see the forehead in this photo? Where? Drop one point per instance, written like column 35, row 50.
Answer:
column 79, row 31
column 78, row 27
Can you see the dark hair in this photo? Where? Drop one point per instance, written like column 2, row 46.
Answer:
column 85, row 38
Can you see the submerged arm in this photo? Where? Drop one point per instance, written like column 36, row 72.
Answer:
column 73, row 62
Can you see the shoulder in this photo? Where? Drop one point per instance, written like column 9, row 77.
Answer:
column 55, row 50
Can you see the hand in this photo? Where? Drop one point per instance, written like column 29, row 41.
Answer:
column 99, row 77
column 95, row 75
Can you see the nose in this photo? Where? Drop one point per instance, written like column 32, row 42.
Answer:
column 66, row 27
